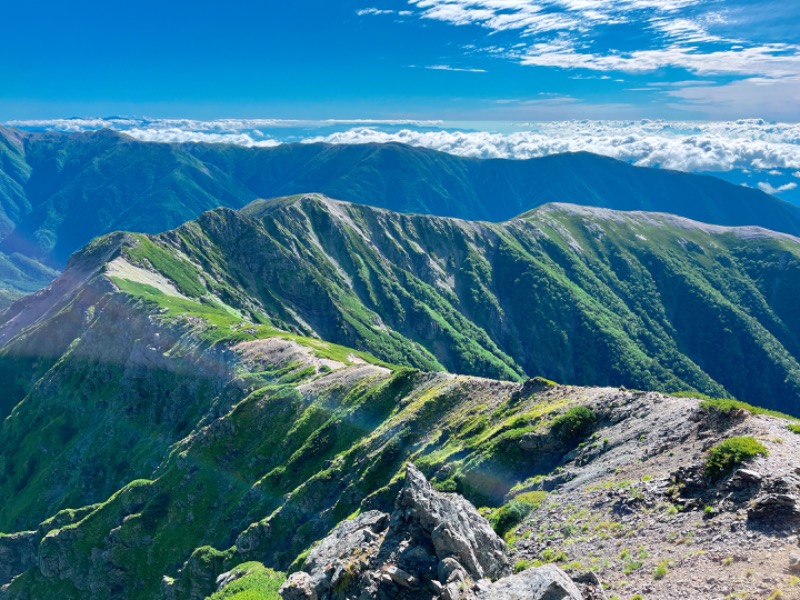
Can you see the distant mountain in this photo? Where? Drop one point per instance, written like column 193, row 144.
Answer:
column 58, row 191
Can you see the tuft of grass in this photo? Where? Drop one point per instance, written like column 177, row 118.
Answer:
column 522, row 565
column 729, row 453
column 661, row 570
column 631, row 566
column 448, row 486
column 553, row 555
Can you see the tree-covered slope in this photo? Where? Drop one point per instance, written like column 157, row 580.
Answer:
column 410, row 179
column 58, row 191
column 580, row 295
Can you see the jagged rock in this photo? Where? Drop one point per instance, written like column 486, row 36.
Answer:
column 17, row 554
column 542, row 583
column 347, row 551
column 779, row 506
column 794, row 564
column 787, row 484
column 433, row 546
column 446, row 568
column 401, row 577
column 455, row 527
column 299, row 586
column 229, row 577
column 744, row 478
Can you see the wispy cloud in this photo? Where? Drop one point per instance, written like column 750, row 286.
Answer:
column 766, row 187
column 596, row 36
column 771, row 60
column 365, row 12
column 362, row 12
column 458, row 69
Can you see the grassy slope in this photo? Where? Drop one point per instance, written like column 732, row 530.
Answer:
column 269, row 449
column 586, row 299
column 316, row 441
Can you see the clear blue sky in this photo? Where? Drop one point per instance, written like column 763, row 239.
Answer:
column 450, row 59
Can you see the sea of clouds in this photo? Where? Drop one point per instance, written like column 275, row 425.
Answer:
column 749, row 152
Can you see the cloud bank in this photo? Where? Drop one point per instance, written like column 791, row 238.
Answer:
column 683, row 146
column 745, row 145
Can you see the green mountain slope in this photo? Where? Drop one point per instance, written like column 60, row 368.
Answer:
column 59, row 191
column 579, row 295
column 171, row 411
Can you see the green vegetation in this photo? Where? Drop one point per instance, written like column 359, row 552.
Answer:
column 182, row 274
column 268, row 444
column 574, row 425
column 727, row 405
column 523, row 565
column 729, row 453
column 253, row 582
column 508, row 516
column 661, row 570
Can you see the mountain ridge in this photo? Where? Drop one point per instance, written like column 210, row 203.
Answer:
column 249, row 433
column 60, row 190
column 614, row 294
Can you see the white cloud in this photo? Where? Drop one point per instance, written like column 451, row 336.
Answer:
column 770, row 60
column 459, row 69
column 744, row 145
column 766, row 187
column 685, row 146
column 545, row 15
column 180, row 136
column 373, row 11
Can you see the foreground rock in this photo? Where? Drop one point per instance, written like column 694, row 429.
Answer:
column 433, row 546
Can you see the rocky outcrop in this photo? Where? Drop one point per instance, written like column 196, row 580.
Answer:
column 454, row 526
column 17, row 554
column 433, row 546
column 543, row 583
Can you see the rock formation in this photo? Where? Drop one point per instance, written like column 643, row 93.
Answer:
column 433, row 546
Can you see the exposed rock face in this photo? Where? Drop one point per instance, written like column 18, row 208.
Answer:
column 17, row 554
column 433, row 546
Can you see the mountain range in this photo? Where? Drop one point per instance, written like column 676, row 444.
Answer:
column 228, row 391
column 59, row 191
column 231, row 390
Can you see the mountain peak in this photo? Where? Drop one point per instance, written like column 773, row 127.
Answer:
column 596, row 213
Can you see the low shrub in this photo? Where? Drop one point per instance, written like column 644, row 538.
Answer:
column 729, row 453
column 574, row 425
column 508, row 516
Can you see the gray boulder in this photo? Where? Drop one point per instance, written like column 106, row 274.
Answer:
column 434, row 546
column 542, row 583
column 455, row 527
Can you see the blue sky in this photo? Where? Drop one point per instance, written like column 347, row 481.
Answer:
column 425, row 59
